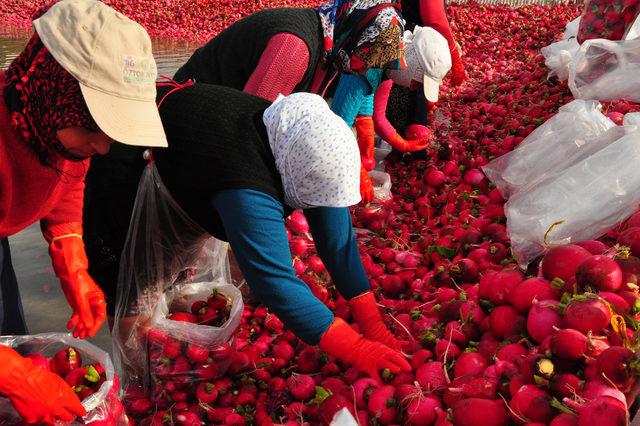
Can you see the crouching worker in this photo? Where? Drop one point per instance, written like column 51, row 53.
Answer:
column 64, row 99
column 238, row 165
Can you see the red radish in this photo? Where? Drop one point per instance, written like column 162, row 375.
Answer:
column 505, row 321
column 630, row 267
column 534, row 367
column 473, row 177
column 593, row 246
column 599, row 272
column 297, row 222
column 512, row 353
column 301, row 386
column 603, row 410
column 65, row 360
column 183, row 317
column 564, row 419
column 531, row 404
column 566, row 385
column 617, row 302
column 562, row 262
column 469, row 364
column 601, row 387
column 431, row 376
column 331, row 405
column 568, row 344
column 464, row 387
column 310, row 359
column 336, row 385
column 479, row 412
column 619, row 365
column 299, row 266
column 542, row 319
column 382, row 405
column 420, row 357
column 586, row 314
column 422, row 411
column 631, row 238
column 497, row 286
column 283, row 350
column 523, row 295
column 362, row 389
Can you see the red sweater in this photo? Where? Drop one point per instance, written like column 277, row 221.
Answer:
column 30, row 191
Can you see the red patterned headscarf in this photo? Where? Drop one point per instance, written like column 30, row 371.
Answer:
column 44, row 98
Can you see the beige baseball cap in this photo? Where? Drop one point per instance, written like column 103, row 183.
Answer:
column 432, row 52
column 110, row 56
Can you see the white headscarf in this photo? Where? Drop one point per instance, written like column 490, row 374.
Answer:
column 315, row 151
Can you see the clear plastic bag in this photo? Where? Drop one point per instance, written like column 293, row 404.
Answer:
column 195, row 342
column 632, row 119
column 606, row 70
column 558, row 57
column 381, row 185
column 580, row 203
column 567, row 137
column 605, row 19
column 571, row 29
column 164, row 248
column 103, row 407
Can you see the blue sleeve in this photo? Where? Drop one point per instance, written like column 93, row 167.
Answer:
column 333, row 236
column 254, row 224
column 350, row 94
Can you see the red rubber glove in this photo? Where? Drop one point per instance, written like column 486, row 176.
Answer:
column 365, row 311
column 344, row 343
column 70, row 264
column 366, row 186
column 38, row 395
column 408, row 145
column 366, row 141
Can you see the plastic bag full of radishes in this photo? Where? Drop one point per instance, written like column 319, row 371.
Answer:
column 580, row 203
column 98, row 390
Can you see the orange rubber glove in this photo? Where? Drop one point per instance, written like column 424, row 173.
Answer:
column 365, row 311
column 70, row 265
column 403, row 145
column 38, row 395
column 366, row 141
column 366, row 186
column 344, row 343
column 458, row 74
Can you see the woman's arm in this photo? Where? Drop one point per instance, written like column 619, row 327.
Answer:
column 254, row 224
column 281, row 68
column 333, row 236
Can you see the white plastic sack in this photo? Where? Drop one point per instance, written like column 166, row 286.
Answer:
column 554, row 146
column 571, row 29
column 381, row 185
column 558, row 57
column 100, row 406
column 606, row 70
column 632, row 119
column 585, row 200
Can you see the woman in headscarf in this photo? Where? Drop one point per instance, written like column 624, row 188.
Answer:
column 65, row 99
column 238, row 166
column 398, row 108
column 287, row 50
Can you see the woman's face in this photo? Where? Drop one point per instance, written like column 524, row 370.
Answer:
column 83, row 142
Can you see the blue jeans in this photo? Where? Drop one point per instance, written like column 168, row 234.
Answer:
column 254, row 224
column 11, row 314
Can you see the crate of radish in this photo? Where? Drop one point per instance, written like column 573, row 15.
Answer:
column 191, row 340
column 86, row 368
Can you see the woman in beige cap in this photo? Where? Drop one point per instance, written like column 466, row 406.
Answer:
column 85, row 80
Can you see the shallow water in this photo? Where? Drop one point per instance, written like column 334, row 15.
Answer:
column 44, row 303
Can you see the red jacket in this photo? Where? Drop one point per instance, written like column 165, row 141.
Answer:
column 30, row 191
